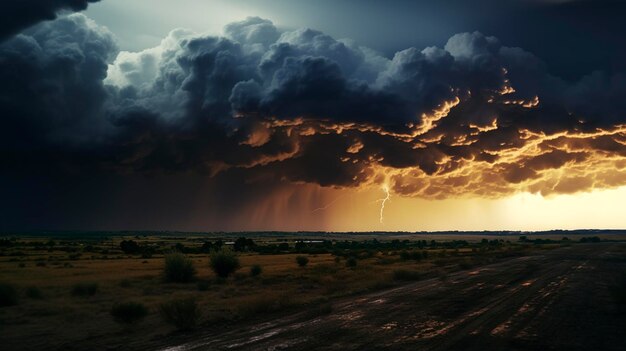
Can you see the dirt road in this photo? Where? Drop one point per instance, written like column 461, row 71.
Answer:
column 553, row 300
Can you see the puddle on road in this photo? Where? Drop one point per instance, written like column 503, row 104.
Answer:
column 504, row 327
column 378, row 301
column 390, row 326
column 433, row 328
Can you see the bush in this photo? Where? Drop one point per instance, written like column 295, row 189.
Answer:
column 179, row 268
column 255, row 270
column 128, row 312
column 302, row 261
column 84, row 289
column 405, row 275
column 203, row 285
column 182, row 313
column 147, row 253
column 224, row 263
column 130, row 247
column 8, row 295
column 351, row 262
column 33, row 292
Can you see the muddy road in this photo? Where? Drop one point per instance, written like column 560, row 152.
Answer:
column 552, row 300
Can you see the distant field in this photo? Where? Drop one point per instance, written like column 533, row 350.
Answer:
column 48, row 273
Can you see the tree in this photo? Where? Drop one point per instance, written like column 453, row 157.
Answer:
column 243, row 244
column 300, row 246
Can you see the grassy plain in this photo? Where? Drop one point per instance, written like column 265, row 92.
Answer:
column 45, row 273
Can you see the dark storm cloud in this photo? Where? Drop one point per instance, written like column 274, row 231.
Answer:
column 472, row 117
column 52, row 94
column 16, row 15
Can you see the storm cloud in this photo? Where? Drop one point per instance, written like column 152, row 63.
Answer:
column 16, row 15
column 474, row 117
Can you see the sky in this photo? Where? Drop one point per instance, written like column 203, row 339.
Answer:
column 312, row 115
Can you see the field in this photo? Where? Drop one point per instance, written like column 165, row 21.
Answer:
column 438, row 291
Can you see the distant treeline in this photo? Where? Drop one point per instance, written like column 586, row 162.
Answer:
column 234, row 235
column 368, row 248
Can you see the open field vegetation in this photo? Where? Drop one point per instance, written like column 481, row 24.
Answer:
column 128, row 290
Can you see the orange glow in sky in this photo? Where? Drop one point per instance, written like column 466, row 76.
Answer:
column 359, row 210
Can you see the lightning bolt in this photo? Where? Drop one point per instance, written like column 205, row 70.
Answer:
column 382, row 202
column 328, row 205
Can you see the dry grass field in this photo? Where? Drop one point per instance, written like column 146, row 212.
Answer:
column 55, row 309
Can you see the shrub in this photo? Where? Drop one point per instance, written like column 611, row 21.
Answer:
column 84, row 289
column 179, row 268
column 147, row 253
column 8, row 295
column 203, row 285
column 224, row 263
column 351, row 262
column 130, row 247
column 182, row 313
column 74, row 256
column 33, row 292
column 128, row 312
column 255, row 270
column 302, row 261
column 405, row 275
